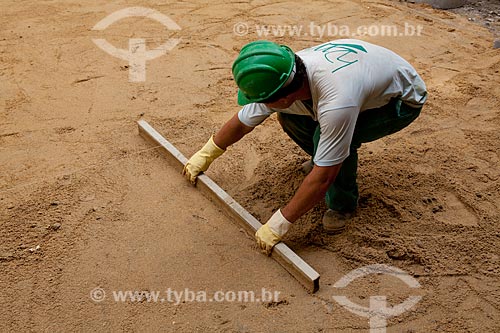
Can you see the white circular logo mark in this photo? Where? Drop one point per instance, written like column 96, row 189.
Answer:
column 97, row 294
column 137, row 55
column 378, row 312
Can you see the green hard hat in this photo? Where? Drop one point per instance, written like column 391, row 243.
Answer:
column 261, row 69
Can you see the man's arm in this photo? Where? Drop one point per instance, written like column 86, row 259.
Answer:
column 232, row 131
column 337, row 127
column 311, row 191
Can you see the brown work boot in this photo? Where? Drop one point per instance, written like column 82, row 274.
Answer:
column 334, row 222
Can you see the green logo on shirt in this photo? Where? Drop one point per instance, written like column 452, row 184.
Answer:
column 341, row 52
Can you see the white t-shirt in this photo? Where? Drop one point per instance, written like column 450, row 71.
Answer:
column 346, row 76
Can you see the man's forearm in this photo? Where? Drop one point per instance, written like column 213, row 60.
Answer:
column 310, row 192
column 231, row 132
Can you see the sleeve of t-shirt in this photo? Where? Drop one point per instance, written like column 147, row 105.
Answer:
column 336, row 131
column 254, row 113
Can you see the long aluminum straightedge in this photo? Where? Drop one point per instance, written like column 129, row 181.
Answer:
column 294, row 264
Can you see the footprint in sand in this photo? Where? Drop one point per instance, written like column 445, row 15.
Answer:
column 452, row 210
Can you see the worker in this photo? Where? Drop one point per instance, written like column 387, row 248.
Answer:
column 329, row 99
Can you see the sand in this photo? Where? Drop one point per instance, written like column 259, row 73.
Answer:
column 85, row 202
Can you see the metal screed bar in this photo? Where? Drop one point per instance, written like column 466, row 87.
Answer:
column 294, row 264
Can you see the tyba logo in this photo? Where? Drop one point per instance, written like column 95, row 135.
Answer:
column 137, row 55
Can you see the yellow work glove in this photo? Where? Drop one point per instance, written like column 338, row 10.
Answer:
column 271, row 233
column 201, row 160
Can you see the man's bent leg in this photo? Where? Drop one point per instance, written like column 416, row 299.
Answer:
column 374, row 124
column 342, row 196
column 300, row 129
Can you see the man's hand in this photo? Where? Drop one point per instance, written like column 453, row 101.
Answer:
column 231, row 132
column 312, row 190
column 201, row 160
column 271, row 233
